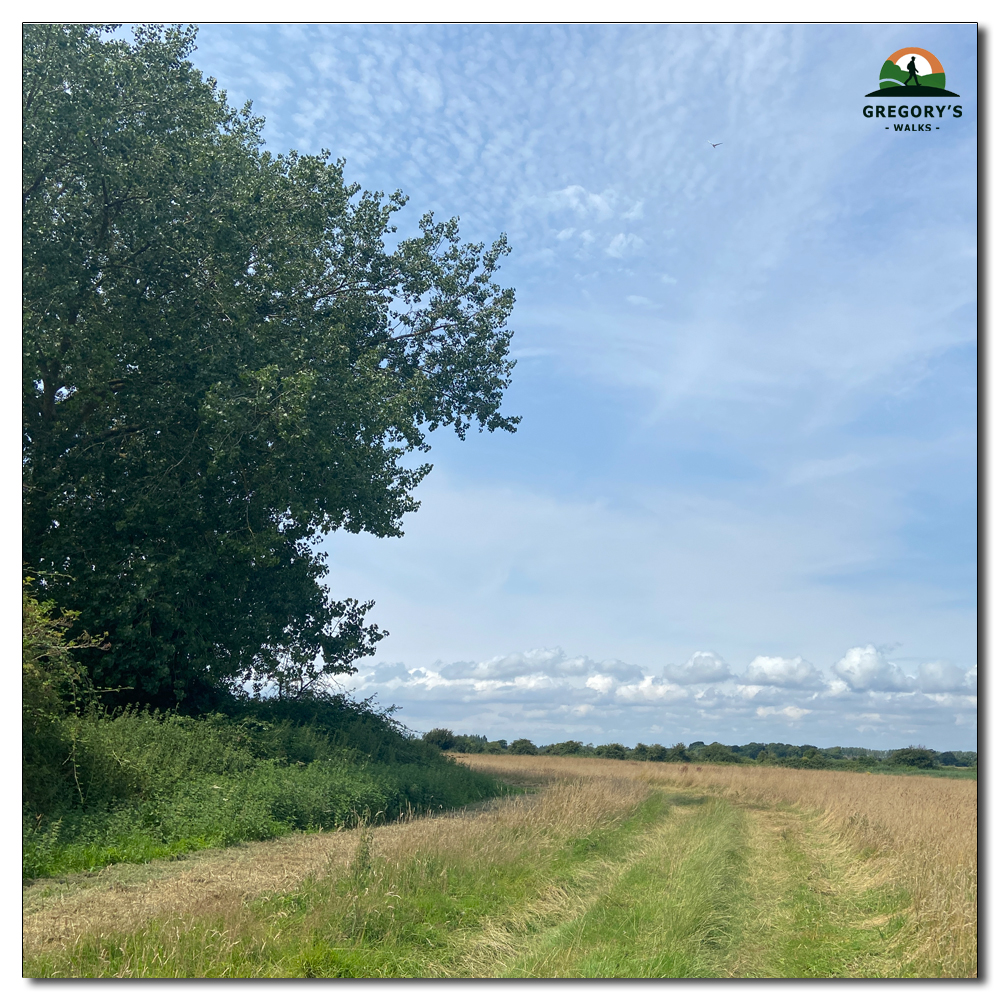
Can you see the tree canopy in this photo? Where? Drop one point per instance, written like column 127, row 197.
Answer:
column 226, row 355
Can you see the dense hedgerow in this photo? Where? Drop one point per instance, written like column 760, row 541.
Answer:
column 135, row 785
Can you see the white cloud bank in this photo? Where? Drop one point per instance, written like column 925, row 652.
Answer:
column 546, row 695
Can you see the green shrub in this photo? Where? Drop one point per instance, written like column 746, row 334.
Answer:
column 913, row 757
column 569, row 748
column 443, row 739
column 718, row 753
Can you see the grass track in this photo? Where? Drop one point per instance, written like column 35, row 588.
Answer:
column 591, row 878
column 668, row 914
column 717, row 892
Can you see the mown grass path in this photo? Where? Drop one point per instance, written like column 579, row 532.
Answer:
column 719, row 891
column 592, row 878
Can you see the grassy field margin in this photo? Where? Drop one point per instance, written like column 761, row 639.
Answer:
column 610, row 869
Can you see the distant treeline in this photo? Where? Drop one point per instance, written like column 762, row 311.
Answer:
column 778, row 754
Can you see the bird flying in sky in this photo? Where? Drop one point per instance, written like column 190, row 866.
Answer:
column 713, row 144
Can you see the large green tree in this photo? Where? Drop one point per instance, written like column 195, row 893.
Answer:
column 227, row 354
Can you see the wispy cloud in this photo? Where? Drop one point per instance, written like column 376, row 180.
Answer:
column 581, row 202
column 794, row 712
column 624, row 245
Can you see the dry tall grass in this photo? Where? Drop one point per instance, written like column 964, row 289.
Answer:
column 217, row 890
column 506, row 828
column 58, row 912
column 923, row 829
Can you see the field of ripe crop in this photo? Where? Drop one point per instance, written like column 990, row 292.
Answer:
column 603, row 869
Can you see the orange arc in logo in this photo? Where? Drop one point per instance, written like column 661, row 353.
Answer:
column 936, row 66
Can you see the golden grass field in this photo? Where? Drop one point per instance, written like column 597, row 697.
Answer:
column 919, row 832
column 745, row 872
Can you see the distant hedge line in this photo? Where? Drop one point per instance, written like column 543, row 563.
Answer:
column 778, row 754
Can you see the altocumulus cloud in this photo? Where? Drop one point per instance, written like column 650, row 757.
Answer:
column 546, row 695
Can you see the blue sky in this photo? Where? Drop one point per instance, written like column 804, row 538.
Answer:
column 741, row 502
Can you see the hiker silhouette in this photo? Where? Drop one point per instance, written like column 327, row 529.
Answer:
column 912, row 67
